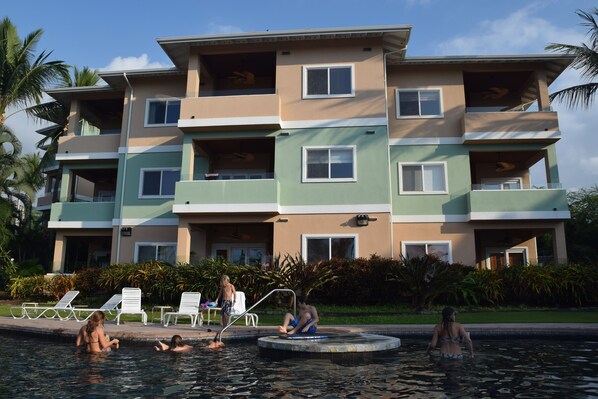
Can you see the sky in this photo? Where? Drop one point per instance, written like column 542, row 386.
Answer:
column 120, row 34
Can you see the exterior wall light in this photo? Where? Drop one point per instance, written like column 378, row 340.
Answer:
column 362, row 220
column 126, row 231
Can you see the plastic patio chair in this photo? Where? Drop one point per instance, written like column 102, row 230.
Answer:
column 131, row 304
column 109, row 307
column 189, row 306
column 239, row 308
column 64, row 304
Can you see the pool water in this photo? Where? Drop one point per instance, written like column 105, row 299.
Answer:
column 523, row 368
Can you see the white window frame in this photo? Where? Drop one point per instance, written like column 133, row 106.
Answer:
column 506, row 251
column 306, row 68
column 420, row 116
column 230, row 246
column 305, row 237
column 142, row 178
column 501, row 181
column 422, row 164
column 156, row 245
column 304, row 177
column 404, row 245
column 147, row 107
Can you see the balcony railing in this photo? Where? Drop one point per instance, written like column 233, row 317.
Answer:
column 541, row 125
column 82, row 212
column 499, row 186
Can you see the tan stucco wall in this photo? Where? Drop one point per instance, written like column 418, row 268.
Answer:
column 88, row 144
column 142, row 234
column 372, row 239
column 447, row 78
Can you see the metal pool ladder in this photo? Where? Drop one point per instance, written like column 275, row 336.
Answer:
column 218, row 336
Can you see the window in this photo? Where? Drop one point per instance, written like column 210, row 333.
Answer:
column 328, row 81
column 418, row 103
column 164, row 251
column 501, row 183
column 423, row 178
column 317, row 247
column 498, row 258
column 322, row 164
column 440, row 249
column 162, row 112
column 158, row 182
column 247, row 254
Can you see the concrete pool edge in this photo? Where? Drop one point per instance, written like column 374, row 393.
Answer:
column 137, row 333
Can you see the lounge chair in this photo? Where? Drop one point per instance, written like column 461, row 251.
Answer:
column 109, row 307
column 239, row 308
column 64, row 304
column 131, row 304
column 189, row 306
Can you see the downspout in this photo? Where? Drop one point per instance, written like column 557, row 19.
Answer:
column 392, row 239
column 126, row 155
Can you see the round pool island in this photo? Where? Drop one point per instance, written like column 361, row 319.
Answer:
column 350, row 346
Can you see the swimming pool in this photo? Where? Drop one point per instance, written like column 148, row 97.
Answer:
column 36, row 368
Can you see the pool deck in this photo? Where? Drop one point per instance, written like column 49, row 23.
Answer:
column 137, row 333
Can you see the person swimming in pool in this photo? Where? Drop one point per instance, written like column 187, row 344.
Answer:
column 92, row 335
column 450, row 334
column 306, row 322
column 176, row 345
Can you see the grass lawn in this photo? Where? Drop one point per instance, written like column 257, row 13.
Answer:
column 340, row 315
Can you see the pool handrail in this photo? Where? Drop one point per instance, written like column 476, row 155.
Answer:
column 230, row 323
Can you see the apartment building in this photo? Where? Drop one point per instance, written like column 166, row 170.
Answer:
column 321, row 143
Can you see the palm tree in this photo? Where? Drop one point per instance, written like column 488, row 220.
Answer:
column 586, row 60
column 23, row 76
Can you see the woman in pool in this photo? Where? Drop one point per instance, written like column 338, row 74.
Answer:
column 450, row 334
column 93, row 336
column 176, row 345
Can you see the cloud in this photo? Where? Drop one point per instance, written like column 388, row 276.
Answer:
column 519, row 32
column 129, row 63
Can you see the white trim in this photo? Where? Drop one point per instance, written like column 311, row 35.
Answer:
column 305, row 237
column 86, row 156
column 225, row 208
column 42, row 207
column 142, row 177
column 236, row 121
column 400, row 171
column 501, row 181
column 146, row 222
column 304, row 85
column 449, row 243
column 50, row 168
column 505, row 252
column 322, row 123
column 426, row 141
column 165, row 100
column 334, row 209
column 229, row 246
column 536, row 215
column 531, row 135
column 430, row 218
column 79, row 225
column 155, row 148
column 305, row 179
column 155, row 244
column 419, row 116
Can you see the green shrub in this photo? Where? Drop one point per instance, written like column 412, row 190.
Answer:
column 30, row 267
column 8, row 269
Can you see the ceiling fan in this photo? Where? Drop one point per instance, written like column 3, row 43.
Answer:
column 242, row 78
column 236, row 236
column 239, row 156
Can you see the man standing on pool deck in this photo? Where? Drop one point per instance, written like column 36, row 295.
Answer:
column 306, row 322
column 229, row 296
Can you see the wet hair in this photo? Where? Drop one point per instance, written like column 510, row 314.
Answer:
column 447, row 318
column 301, row 299
column 94, row 321
column 176, row 341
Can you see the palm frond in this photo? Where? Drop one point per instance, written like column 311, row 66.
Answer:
column 581, row 95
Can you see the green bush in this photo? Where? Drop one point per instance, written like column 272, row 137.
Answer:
column 8, row 269
column 30, row 267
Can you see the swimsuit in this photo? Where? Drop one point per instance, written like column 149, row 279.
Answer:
column 226, row 308
column 451, row 356
column 311, row 330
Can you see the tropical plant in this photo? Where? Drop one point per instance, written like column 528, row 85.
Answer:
column 586, row 61
column 426, row 278
column 582, row 228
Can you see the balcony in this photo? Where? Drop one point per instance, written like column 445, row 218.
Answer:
column 81, row 214
column 479, row 127
column 88, row 147
column 535, row 203
column 257, row 111
column 227, row 196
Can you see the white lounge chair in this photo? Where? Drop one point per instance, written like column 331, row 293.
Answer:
column 131, row 304
column 239, row 308
column 64, row 305
column 189, row 306
column 109, row 307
